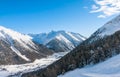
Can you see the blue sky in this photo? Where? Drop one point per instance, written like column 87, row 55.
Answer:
column 36, row 16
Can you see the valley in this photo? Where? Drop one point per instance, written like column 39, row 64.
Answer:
column 59, row 38
column 18, row 70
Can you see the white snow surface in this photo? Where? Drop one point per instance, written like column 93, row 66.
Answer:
column 19, row 54
column 17, row 70
column 10, row 35
column 44, row 38
column 65, row 41
column 108, row 68
column 62, row 38
column 75, row 38
column 110, row 28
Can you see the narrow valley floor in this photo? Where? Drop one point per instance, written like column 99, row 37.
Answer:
column 17, row 70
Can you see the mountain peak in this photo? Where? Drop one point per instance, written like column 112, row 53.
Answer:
column 19, row 47
column 109, row 28
column 46, row 37
column 9, row 35
column 62, row 38
column 13, row 34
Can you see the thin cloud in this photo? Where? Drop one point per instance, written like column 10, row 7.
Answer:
column 106, row 8
column 94, row 7
column 101, row 16
column 85, row 7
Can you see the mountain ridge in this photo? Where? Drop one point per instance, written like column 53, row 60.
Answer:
column 19, row 48
column 66, row 41
column 107, row 29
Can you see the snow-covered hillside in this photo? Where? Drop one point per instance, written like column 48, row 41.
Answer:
column 63, row 39
column 19, row 48
column 9, row 35
column 107, row 29
column 109, row 68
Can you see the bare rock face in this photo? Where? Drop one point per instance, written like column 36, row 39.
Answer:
column 17, row 48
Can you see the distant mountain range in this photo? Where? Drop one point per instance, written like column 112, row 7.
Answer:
column 59, row 41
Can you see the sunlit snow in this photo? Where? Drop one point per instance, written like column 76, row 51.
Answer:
column 108, row 68
column 17, row 70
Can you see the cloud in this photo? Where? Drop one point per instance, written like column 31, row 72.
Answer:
column 106, row 8
column 94, row 7
column 101, row 16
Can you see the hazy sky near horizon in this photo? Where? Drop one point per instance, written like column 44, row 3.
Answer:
column 36, row 16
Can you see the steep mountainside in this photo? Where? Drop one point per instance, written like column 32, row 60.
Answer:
column 59, row 41
column 107, row 29
column 16, row 48
column 99, row 47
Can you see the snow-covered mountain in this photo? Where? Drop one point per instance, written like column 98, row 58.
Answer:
column 59, row 41
column 107, row 29
column 18, row 48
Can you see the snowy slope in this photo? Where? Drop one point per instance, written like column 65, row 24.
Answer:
column 109, row 68
column 67, row 39
column 19, row 48
column 61, row 38
column 9, row 35
column 107, row 29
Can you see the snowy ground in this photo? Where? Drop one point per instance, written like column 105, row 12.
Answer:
column 17, row 70
column 109, row 68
